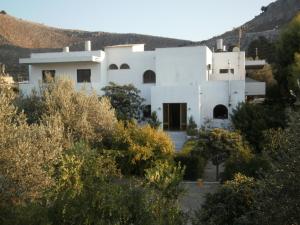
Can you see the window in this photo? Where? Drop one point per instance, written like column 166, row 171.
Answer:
column 83, row 75
column 220, row 112
column 147, row 111
column 149, row 77
column 124, row 66
column 113, row 67
column 48, row 75
column 227, row 71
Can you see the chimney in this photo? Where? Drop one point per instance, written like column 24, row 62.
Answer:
column 66, row 49
column 87, row 46
column 219, row 44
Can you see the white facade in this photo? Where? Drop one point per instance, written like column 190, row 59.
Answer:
column 188, row 81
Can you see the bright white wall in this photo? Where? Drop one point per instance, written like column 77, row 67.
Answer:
column 184, row 65
column 217, row 92
column 176, row 94
column 139, row 62
column 255, row 88
column 220, row 61
column 68, row 70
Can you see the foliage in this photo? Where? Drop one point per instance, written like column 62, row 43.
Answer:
column 165, row 177
column 192, row 127
column 252, row 120
column 153, row 121
column 228, row 144
column 254, row 167
column 141, row 146
column 33, row 106
column 287, row 59
column 125, row 99
column 265, row 49
column 225, row 146
column 27, row 153
column 277, row 201
column 265, row 75
column 230, row 204
column 193, row 160
column 194, row 165
column 84, row 116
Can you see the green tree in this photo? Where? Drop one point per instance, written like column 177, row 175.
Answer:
column 253, row 119
column 153, row 121
column 277, row 202
column 263, row 48
column 225, row 146
column 192, row 127
column 84, row 116
column 230, row 204
column 287, row 49
column 27, row 153
column 140, row 147
column 126, row 100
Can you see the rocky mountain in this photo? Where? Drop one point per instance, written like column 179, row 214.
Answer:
column 18, row 38
column 268, row 24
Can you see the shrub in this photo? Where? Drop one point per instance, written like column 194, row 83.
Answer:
column 253, row 120
column 192, row 159
column 194, row 166
column 126, row 100
column 84, row 116
column 153, row 121
column 27, row 153
column 230, row 204
column 141, row 146
column 192, row 127
column 165, row 177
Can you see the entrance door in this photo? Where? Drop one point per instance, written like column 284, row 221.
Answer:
column 174, row 116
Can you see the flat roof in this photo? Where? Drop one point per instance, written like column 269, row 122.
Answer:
column 123, row 45
column 45, row 60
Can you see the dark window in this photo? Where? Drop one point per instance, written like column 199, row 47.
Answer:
column 223, row 70
column 83, row 75
column 113, row 67
column 48, row 75
column 220, row 112
column 147, row 111
column 227, row 71
column 149, row 77
column 124, row 66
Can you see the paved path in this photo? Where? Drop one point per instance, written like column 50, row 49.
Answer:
column 194, row 195
column 178, row 138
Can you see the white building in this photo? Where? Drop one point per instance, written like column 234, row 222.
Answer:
column 177, row 82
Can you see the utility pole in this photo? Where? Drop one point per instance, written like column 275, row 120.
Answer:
column 241, row 30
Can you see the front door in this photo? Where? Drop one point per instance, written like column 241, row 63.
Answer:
column 174, row 116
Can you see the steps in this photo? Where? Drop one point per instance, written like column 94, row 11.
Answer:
column 178, row 138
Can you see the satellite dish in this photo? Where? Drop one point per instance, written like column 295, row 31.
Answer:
column 236, row 49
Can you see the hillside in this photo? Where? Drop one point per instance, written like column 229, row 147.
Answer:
column 18, row 38
column 267, row 24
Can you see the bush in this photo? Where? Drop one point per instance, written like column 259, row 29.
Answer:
column 230, row 204
column 194, row 166
column 254, row 167
column 165, row 177
column 253, row 120
column 27, row 153
column 193, row 160
column 141, row 147
column 126, row 100
column 153, row 121
column 84, row 116
column 192, row 127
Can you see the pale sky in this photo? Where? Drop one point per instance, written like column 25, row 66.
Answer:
column 194, row 20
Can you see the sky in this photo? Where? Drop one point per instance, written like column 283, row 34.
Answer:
column 194, row 20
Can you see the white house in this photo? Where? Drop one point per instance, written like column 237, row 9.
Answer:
column 177, row 82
